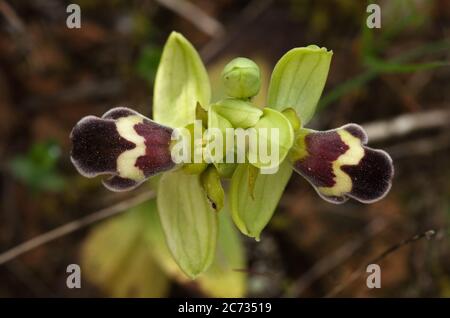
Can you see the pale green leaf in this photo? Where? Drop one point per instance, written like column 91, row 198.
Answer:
column 116, row 258
column 181, row 82
column 188, row 220
column 143, row 276
column 249, row 214
column 298, row 80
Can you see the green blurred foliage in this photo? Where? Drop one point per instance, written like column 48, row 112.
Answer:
column 398, row 17
column 144, row 31
column 316, row 14
column 115, row 257
column 38, row 167
column 148, row 62
column 128, row 256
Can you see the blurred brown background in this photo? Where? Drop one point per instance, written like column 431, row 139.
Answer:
column 51, row 76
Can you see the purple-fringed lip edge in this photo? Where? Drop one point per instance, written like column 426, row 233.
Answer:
column 86, row 120
column 364, row 141
column 111, row 175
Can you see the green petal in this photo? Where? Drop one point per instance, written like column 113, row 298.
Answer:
column 189, row 222
column 298, row 80
column 115, row 257
column 239, row 113
column 273, row 119
column 291, row 115
column 249, row 214
column 181, row 82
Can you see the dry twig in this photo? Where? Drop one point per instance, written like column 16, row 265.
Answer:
column 326, row 264
column 195, row 15
column 11, row 16
column 405, row 124
column 248, row 15
column 355, row 275
column 420, row 147
column 74, row 226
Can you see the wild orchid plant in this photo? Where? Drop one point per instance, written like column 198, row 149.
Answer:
column 130, row 148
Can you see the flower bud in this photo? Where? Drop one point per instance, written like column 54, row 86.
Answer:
column 241, row 78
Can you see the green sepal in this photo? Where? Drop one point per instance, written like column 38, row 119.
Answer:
column 188, row 221
column 181, row 82
column 298, row 80
column 251, row 214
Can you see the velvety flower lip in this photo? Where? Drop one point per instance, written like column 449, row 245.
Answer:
column 122, row 143
column 339, row 165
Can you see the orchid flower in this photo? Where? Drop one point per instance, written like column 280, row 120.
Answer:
column 129, row 148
